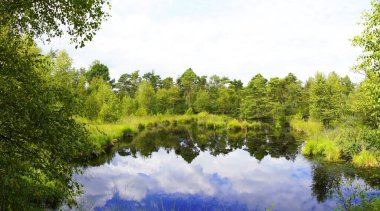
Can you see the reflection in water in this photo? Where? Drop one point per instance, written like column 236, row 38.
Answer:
column 192, row 169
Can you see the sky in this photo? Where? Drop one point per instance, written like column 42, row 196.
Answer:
column 236, row 39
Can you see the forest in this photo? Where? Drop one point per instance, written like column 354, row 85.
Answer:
column 53, row 115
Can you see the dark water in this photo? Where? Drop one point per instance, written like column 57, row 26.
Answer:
column 185, row 168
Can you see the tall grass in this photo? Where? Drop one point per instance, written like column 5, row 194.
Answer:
column 322, row 146
column 235, row 125
column 357, row 144
column 310, row 127
column 366, row 158
column 102, row 134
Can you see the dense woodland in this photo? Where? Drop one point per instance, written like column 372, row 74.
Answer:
column 44, row 101
column 328, row 98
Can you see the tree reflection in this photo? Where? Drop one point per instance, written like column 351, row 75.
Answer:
column 329, row 178
column 189, row 141
column 324, row 182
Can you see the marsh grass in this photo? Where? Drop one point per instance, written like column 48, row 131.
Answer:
column 103, row 135
column 236, row 126
column 357, row 144
column 310, row 127
column 322, row 146
column 366, row 158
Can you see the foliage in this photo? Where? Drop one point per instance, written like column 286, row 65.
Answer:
column 187, row 83
column 369, row 61
column 145, row 97
column 128, row 83
column 102, row 103
column 326, row 98
column 255, row 101
column 38, row 134
column 98, row 70
column 38, row 18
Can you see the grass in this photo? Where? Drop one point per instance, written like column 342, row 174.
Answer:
column 353, row 143
column 310, row 127
column 366, row 158
column 322, row 146
column 106, row 134
column 236, row 126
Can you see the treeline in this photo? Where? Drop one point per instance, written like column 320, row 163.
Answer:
column 327, row 98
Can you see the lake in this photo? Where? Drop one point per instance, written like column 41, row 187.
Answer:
column 191, row 168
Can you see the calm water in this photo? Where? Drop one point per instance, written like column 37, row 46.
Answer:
column 192, row 169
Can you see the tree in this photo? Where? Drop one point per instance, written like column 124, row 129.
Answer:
column 326, row 98
column 38, row 134
column 293, row 95
column 237, row 84
column 39, row 137
column 145, row 97
column 167, row 100
column 62, row 69
column 227, row 101
column 277, row 97
column 348, row 85
column 167, row 83
column 102, row 103
column 128, row 105
column 153, row 79
column 98, row 70
column 128, row 83
column 254, row 105
column 202, row 102
column 40, row 18
column 213, row 87
column 187, row 83
column 369, row 61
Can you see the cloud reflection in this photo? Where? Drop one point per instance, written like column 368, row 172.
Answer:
column 236, row 177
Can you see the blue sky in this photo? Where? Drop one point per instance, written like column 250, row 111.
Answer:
column 237, row 39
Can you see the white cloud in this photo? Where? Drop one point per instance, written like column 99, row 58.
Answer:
column 230, row 38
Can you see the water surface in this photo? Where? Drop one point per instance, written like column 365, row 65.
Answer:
column 185, row 168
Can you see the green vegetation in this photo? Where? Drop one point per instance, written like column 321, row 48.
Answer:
column 52, row 113
column 359, row 145
column 323, row 147
column 103, row 135
column 358, row 199
column 365, row 158
column 348, row 112
column 39, row 137
column 310, row 127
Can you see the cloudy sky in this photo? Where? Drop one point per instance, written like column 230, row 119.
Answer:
column 237, row 39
